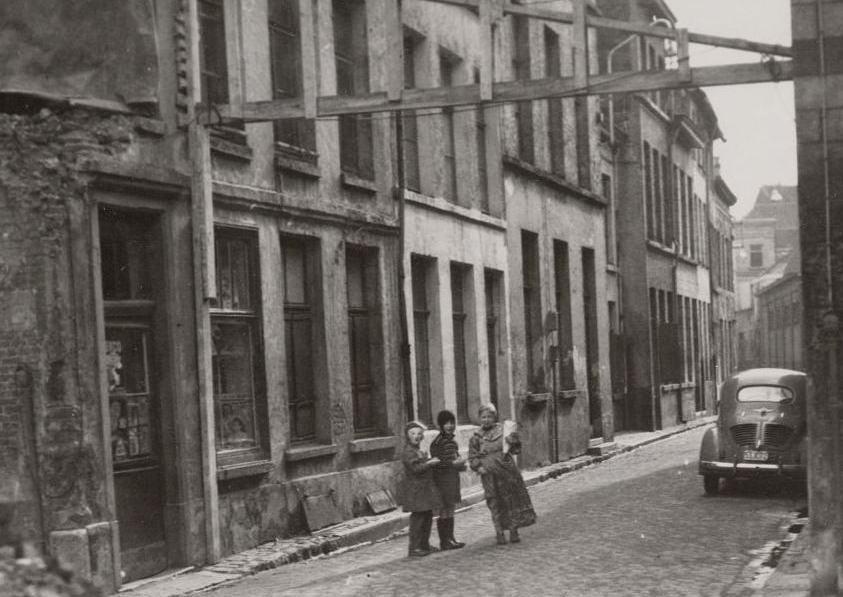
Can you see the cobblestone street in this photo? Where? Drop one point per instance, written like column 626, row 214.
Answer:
column 637, row 524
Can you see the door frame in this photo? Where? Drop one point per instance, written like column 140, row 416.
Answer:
column 161, row 204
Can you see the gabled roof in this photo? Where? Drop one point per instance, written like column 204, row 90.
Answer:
column 776, row 202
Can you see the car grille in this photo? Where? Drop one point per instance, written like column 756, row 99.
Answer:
column 777, row 436
column 744, row 434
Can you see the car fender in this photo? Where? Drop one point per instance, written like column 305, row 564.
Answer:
column 710, row 447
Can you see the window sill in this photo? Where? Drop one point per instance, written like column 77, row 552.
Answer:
column 297, row 165
column 310, row 451
column 569, row 395
column 243, row 469
column 356, row 182
column 230, row 149
column 370, row 444
column 612, row 268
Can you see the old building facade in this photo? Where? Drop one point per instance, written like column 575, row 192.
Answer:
column 173, row 401
column 664, row 146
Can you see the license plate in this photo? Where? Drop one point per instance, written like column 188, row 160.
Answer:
column 755, row 455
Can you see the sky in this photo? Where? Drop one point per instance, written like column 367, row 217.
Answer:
column 758, row 120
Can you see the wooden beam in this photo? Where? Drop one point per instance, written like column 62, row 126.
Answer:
column 740, row 44
column 640, row 28
column 487, row 50
column 513, row 91
column 394, row 39
column 307, row 47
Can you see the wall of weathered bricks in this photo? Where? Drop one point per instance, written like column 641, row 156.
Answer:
column 51, row 452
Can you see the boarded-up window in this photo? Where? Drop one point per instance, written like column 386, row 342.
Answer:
column 364, row 334
column 532, row 311
column 420, row 267
column 562, row 281
column 300, row 312
column 460, row 277
column 492, row 284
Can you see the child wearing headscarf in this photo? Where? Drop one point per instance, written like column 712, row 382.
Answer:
column 446, row 475
column 504, row 488
column 419, row 494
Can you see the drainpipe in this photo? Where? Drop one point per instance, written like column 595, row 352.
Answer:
column 402, row 302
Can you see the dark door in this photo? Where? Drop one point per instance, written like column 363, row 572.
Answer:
column 130, row 251
column 592, row 360
column 134, row 448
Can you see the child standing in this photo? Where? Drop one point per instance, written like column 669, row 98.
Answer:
column 446, row 475
column 420, row 496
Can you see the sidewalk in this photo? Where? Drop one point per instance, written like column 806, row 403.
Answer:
column 373, row 528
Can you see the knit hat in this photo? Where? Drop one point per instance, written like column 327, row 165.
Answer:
column 445, row 416
column 488, row 408
column 412, row 424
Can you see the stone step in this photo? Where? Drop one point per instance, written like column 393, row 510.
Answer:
column 602, row 448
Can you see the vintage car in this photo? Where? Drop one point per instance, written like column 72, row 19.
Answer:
column 760, row 429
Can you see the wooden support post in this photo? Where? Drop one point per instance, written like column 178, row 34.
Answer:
column 395, row 49
column 204, row 279
column 486, row 50
column 581, row 109
column 683, row 55
column 307, row 41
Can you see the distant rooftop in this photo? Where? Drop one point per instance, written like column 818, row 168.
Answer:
column 776, row 202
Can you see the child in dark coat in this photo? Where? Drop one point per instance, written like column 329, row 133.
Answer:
column 419, row 494
column 446, row 475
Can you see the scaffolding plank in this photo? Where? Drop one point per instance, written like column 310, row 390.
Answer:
column 513, row 91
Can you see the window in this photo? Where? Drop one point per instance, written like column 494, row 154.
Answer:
column 532, row 311
column 237, row 366
column 285, row 58
column 668, row 231
column 609, row 223
column 420, row 266
column 410, row 136
column 658, row 199
column 492, row 284
column 460, row 279
column 300, row 316
column 365, row 337
column 352, row 64
column 482, row 164
column 555, row 126
column 213, row 62
column 756, row 256
column 649, row 200
column 213, row 65
column 562, row 279
column 524, row 109
column 447, row 68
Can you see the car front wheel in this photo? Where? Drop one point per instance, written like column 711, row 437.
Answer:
column 711, row 483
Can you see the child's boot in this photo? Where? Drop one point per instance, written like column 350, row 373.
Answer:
column 425, row 534
column 454, row 544
column 513, row 535
column 416, row 528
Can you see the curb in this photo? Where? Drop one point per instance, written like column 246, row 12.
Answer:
column 351, row 533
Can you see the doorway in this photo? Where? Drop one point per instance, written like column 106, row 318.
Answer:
column 130, row 266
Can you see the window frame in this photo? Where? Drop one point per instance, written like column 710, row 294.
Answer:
column 252, row 319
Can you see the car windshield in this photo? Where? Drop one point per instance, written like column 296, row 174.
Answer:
column 764, row 394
